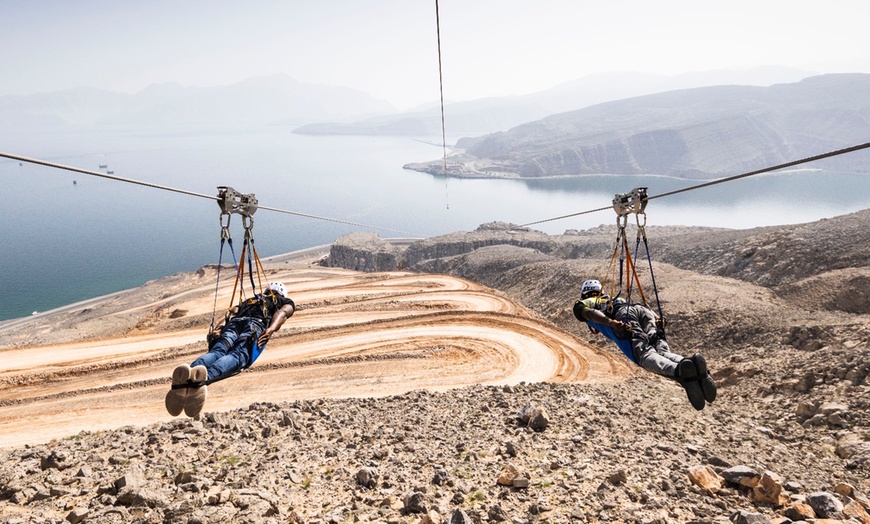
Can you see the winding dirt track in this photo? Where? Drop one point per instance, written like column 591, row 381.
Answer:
column 354, row 334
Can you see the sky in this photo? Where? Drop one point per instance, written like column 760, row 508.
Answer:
column 389, row 48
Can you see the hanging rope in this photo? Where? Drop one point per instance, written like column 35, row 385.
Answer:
column 225, row 238
column 441, row 88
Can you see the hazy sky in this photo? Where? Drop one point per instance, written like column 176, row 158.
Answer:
column 388, row 48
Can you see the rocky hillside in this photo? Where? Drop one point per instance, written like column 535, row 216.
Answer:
column 787, row 440
column 699, row 133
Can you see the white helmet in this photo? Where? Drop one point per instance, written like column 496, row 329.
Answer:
column 589, row 286
column 278, row 288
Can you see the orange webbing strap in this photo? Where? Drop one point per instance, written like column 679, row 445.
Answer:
column 632, row 273
column 239, row 278
column 261, row 271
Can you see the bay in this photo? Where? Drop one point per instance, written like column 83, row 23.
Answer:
column 71, row 236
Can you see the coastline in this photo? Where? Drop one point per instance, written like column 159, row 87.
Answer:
column 432, row 167
column 300, row 256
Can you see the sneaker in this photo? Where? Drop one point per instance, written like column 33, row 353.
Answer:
column 708, row 387
column 195, row 400
column 175, row 399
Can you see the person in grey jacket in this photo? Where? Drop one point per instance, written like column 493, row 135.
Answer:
column 633, row 328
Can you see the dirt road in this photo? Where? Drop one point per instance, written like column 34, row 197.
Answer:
column 354, row 334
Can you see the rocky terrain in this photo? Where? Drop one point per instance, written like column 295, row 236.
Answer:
column 781, row 313
column 700, row 133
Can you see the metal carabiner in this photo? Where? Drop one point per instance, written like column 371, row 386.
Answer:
column 225, row 228
column 641, row 227
column 248, row 224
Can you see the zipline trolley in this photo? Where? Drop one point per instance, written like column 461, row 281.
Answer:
column 631, row 203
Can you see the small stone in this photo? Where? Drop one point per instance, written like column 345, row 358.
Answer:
column 496, row 513
column 432, row 517
column 799, row 511
column 742, row 476
column 414, row 503
column 520, row 482
column 745, row 517
column 829, row 408
column 534, row 417
column 824, row 504
column 618, row 478
column 706, row 478
column 769, row 490
column 77, row 515
column 367, row 477
column 508, row 474
column 440, row 477
column 460, row 517
column 856, row 511
column 58, row 459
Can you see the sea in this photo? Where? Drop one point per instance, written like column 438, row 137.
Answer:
column 70, row 236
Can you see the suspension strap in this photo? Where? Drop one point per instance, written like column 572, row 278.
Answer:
column 641, row 234
column 618, row 254
column 249, row 245
column 225, row 236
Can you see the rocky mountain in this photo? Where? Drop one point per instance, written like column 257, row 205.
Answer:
column 489, row 115
column 781, row 313
column 262, row 100
column 699, row 133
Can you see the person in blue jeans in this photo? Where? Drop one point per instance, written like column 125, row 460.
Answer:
column 233, row 346
column 633, row 328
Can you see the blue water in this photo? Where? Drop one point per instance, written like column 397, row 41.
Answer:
column 65, row 242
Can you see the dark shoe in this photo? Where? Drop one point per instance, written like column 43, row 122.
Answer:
column 707, row 384
column 687, row 376
column 695, row 393
column 687, row 370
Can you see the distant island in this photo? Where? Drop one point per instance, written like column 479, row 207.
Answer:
column 700, row 133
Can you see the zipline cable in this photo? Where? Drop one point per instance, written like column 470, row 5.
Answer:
column 720, row 180
column 104, row 175
column 441, row 88
column 766, row 170
column 186, row 192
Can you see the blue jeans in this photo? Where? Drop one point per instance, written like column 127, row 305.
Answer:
column 231, row 352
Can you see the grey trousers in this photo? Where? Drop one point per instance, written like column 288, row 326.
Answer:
column 650, row 350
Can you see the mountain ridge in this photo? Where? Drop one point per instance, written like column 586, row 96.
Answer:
column 699, row 133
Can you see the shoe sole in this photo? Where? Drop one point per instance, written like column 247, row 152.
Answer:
column 687, row 370
column 708, row 387
column 695, row 394
column 195, row 400
column 176, row 398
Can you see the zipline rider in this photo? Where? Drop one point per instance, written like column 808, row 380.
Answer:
column 233, row 347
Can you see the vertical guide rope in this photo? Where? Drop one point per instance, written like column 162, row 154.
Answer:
column 441, row 88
